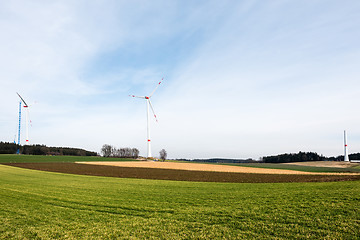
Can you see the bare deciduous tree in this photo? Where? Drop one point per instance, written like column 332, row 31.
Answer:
column 135, row 153
column 107, row 150
column 163, row 154
column 110, row 151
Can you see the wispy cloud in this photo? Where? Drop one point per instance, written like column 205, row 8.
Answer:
column 242, row 79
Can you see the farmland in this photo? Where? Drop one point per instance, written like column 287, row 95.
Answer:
column 179, row 175
column 56, row 205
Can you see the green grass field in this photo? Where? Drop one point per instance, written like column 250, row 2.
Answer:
column 44, row 205
column 14, row 158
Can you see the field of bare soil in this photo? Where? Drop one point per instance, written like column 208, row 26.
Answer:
column 205, row 167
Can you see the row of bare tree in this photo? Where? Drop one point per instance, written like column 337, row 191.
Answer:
column 110, row 151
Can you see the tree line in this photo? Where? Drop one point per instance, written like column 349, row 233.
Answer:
column 305, row 157
column 37, row 149
column 110, row 151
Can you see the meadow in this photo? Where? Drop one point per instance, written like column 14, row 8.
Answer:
column 45, row 205
column 14, row 158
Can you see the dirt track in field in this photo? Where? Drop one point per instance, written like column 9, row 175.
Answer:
column 179, row 175
column 206, row 167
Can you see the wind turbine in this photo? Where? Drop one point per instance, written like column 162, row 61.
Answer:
column 26, row 119
column 18, row 151
column 149, row 105
column 346, row 156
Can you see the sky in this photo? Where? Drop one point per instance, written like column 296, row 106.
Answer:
column 242, row 79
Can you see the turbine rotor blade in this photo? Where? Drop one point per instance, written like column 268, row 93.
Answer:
column 137, row 96
column 156, row 87
column 152, row 109
column 25, row 105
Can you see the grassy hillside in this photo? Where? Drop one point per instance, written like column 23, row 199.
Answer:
column 45, row 205
column 14, row 158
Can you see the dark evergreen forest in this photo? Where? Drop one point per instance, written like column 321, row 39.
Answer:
column 12, row 148
column 305, row 157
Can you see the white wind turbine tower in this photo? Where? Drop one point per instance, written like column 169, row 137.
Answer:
column 26, row 118
column 149, row 105
column 346, row 155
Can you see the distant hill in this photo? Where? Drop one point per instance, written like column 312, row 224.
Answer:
column 220, row 160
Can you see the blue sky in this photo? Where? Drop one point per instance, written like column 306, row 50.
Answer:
column 243, row 79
